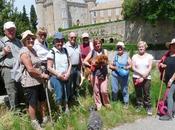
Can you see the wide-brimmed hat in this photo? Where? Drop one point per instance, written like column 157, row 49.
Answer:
column 9, row 24
column 170, row 43
column 120, row 44
column 25, row 34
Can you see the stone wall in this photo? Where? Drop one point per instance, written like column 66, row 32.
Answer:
column 132, row 31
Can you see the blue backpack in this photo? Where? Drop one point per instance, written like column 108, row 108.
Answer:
column 120, row 66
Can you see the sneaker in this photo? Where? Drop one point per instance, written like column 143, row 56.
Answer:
column 44, row 122
column 36, row 125
column 165, row 118
column 149, row 112
column 126, row 105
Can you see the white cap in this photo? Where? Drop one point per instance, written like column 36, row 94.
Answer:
column 9, row 24
column 85, row 35
column 120, row 44
column 169, row 43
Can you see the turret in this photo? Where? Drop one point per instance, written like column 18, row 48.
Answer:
column 60, row 14
column 40, row 12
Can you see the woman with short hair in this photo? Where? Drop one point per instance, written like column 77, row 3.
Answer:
column 142, row 65
column 32, row 79
column 120, row 73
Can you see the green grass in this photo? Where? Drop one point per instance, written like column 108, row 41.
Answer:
column 78, row 117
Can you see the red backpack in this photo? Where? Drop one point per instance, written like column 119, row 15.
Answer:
column 162, row 104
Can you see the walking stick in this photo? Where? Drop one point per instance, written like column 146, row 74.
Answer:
column 160, row 92
column 48, row 103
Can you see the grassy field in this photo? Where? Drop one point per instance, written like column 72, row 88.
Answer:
column 78, row 117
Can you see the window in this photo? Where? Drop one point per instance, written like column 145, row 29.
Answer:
column 109, row 12
column 117, row 12
column 101, row 13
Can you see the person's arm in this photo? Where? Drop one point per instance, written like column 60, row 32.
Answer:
column 26, row 60
column 86, row 60
column 52, row 70
column 66, row 76
column 171, row 80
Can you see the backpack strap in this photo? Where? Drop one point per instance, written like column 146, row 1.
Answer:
column 53, row 52
column 65, row 50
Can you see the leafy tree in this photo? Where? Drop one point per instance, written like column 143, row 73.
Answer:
column 33, row 18
column 150, row 10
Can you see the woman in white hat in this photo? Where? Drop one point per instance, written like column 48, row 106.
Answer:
column 169, row 78
column 32, row 78
column 142, row 65
column 120, row 73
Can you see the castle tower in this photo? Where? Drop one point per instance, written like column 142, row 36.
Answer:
column 91, row 4
column 60, row 10
column 40, row 12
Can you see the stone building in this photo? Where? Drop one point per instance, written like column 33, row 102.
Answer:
column 55, row 14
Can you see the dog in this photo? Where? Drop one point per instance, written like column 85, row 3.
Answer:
column 94, row 121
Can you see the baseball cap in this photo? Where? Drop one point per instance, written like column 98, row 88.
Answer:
column 9, row 24
column 120, row 44
column 85, row 35
column 58, row 35
column 169, row 43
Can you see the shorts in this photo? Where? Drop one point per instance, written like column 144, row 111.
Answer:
column 34, row 94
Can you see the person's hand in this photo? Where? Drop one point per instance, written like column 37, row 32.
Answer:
column 163, row 65
column 60, row 76
column 7, row 50
column 66, row 76
column 44, row 76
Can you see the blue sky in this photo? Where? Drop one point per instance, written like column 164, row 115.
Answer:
column 19, row 4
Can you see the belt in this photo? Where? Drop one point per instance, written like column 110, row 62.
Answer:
column 74, row 65
column 6, row 67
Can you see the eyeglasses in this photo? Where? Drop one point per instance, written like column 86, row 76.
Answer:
column 30, row 38
column 42, row 34
column 73, row 37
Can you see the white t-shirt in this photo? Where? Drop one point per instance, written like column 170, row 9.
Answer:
column 142, row 64
column 41, row 50
column 60, row 60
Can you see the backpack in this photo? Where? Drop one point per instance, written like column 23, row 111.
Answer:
column 120, row 70
column 162, row 104
column 17, row 71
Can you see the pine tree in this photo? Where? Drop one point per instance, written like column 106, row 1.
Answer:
column 25, row 18
column 33, row 18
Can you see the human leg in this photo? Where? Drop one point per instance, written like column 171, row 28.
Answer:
column 115, row 86
column 124, row 87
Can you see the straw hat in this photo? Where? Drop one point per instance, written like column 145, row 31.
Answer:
column 25, row 34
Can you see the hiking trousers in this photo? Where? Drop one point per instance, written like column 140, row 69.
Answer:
column 10, row 86
column 171, row 100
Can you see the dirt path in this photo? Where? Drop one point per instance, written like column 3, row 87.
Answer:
column 149, row 123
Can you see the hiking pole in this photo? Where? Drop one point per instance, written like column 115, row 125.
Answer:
column 160, row 92
column 48, row 103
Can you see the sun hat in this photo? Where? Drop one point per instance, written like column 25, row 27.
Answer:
column 170, row 43
column 9, row 24
column 120, row 44
column 25, row 34
column 58, row 35
column 85, row 35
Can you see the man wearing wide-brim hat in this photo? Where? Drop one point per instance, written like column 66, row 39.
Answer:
column 9, row 49
column 169, row 78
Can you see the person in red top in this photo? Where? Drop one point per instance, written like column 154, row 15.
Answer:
column 85, row 48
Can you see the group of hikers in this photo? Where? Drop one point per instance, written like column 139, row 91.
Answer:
column 65, row 65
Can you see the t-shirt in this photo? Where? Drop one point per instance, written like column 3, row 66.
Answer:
column 170, row 69
column 60, row 60
column 141, row 64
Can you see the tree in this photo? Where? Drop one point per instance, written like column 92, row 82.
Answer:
column 150, row 10
column 33, row 18
column 25, row 18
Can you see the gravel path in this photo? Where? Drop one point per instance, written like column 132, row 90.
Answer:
column 148, row 123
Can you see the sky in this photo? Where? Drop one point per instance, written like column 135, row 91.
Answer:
column 19, row 4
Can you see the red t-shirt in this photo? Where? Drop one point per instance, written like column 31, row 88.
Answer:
column 85, row 49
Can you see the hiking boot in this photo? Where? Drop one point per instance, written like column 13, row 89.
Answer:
column 165, row 118
column 36, row 125
column 126, row 105
column 149, row 112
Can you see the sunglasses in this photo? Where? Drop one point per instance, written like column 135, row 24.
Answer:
column 42, row 34
column 73, row 37
column 30, row 38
